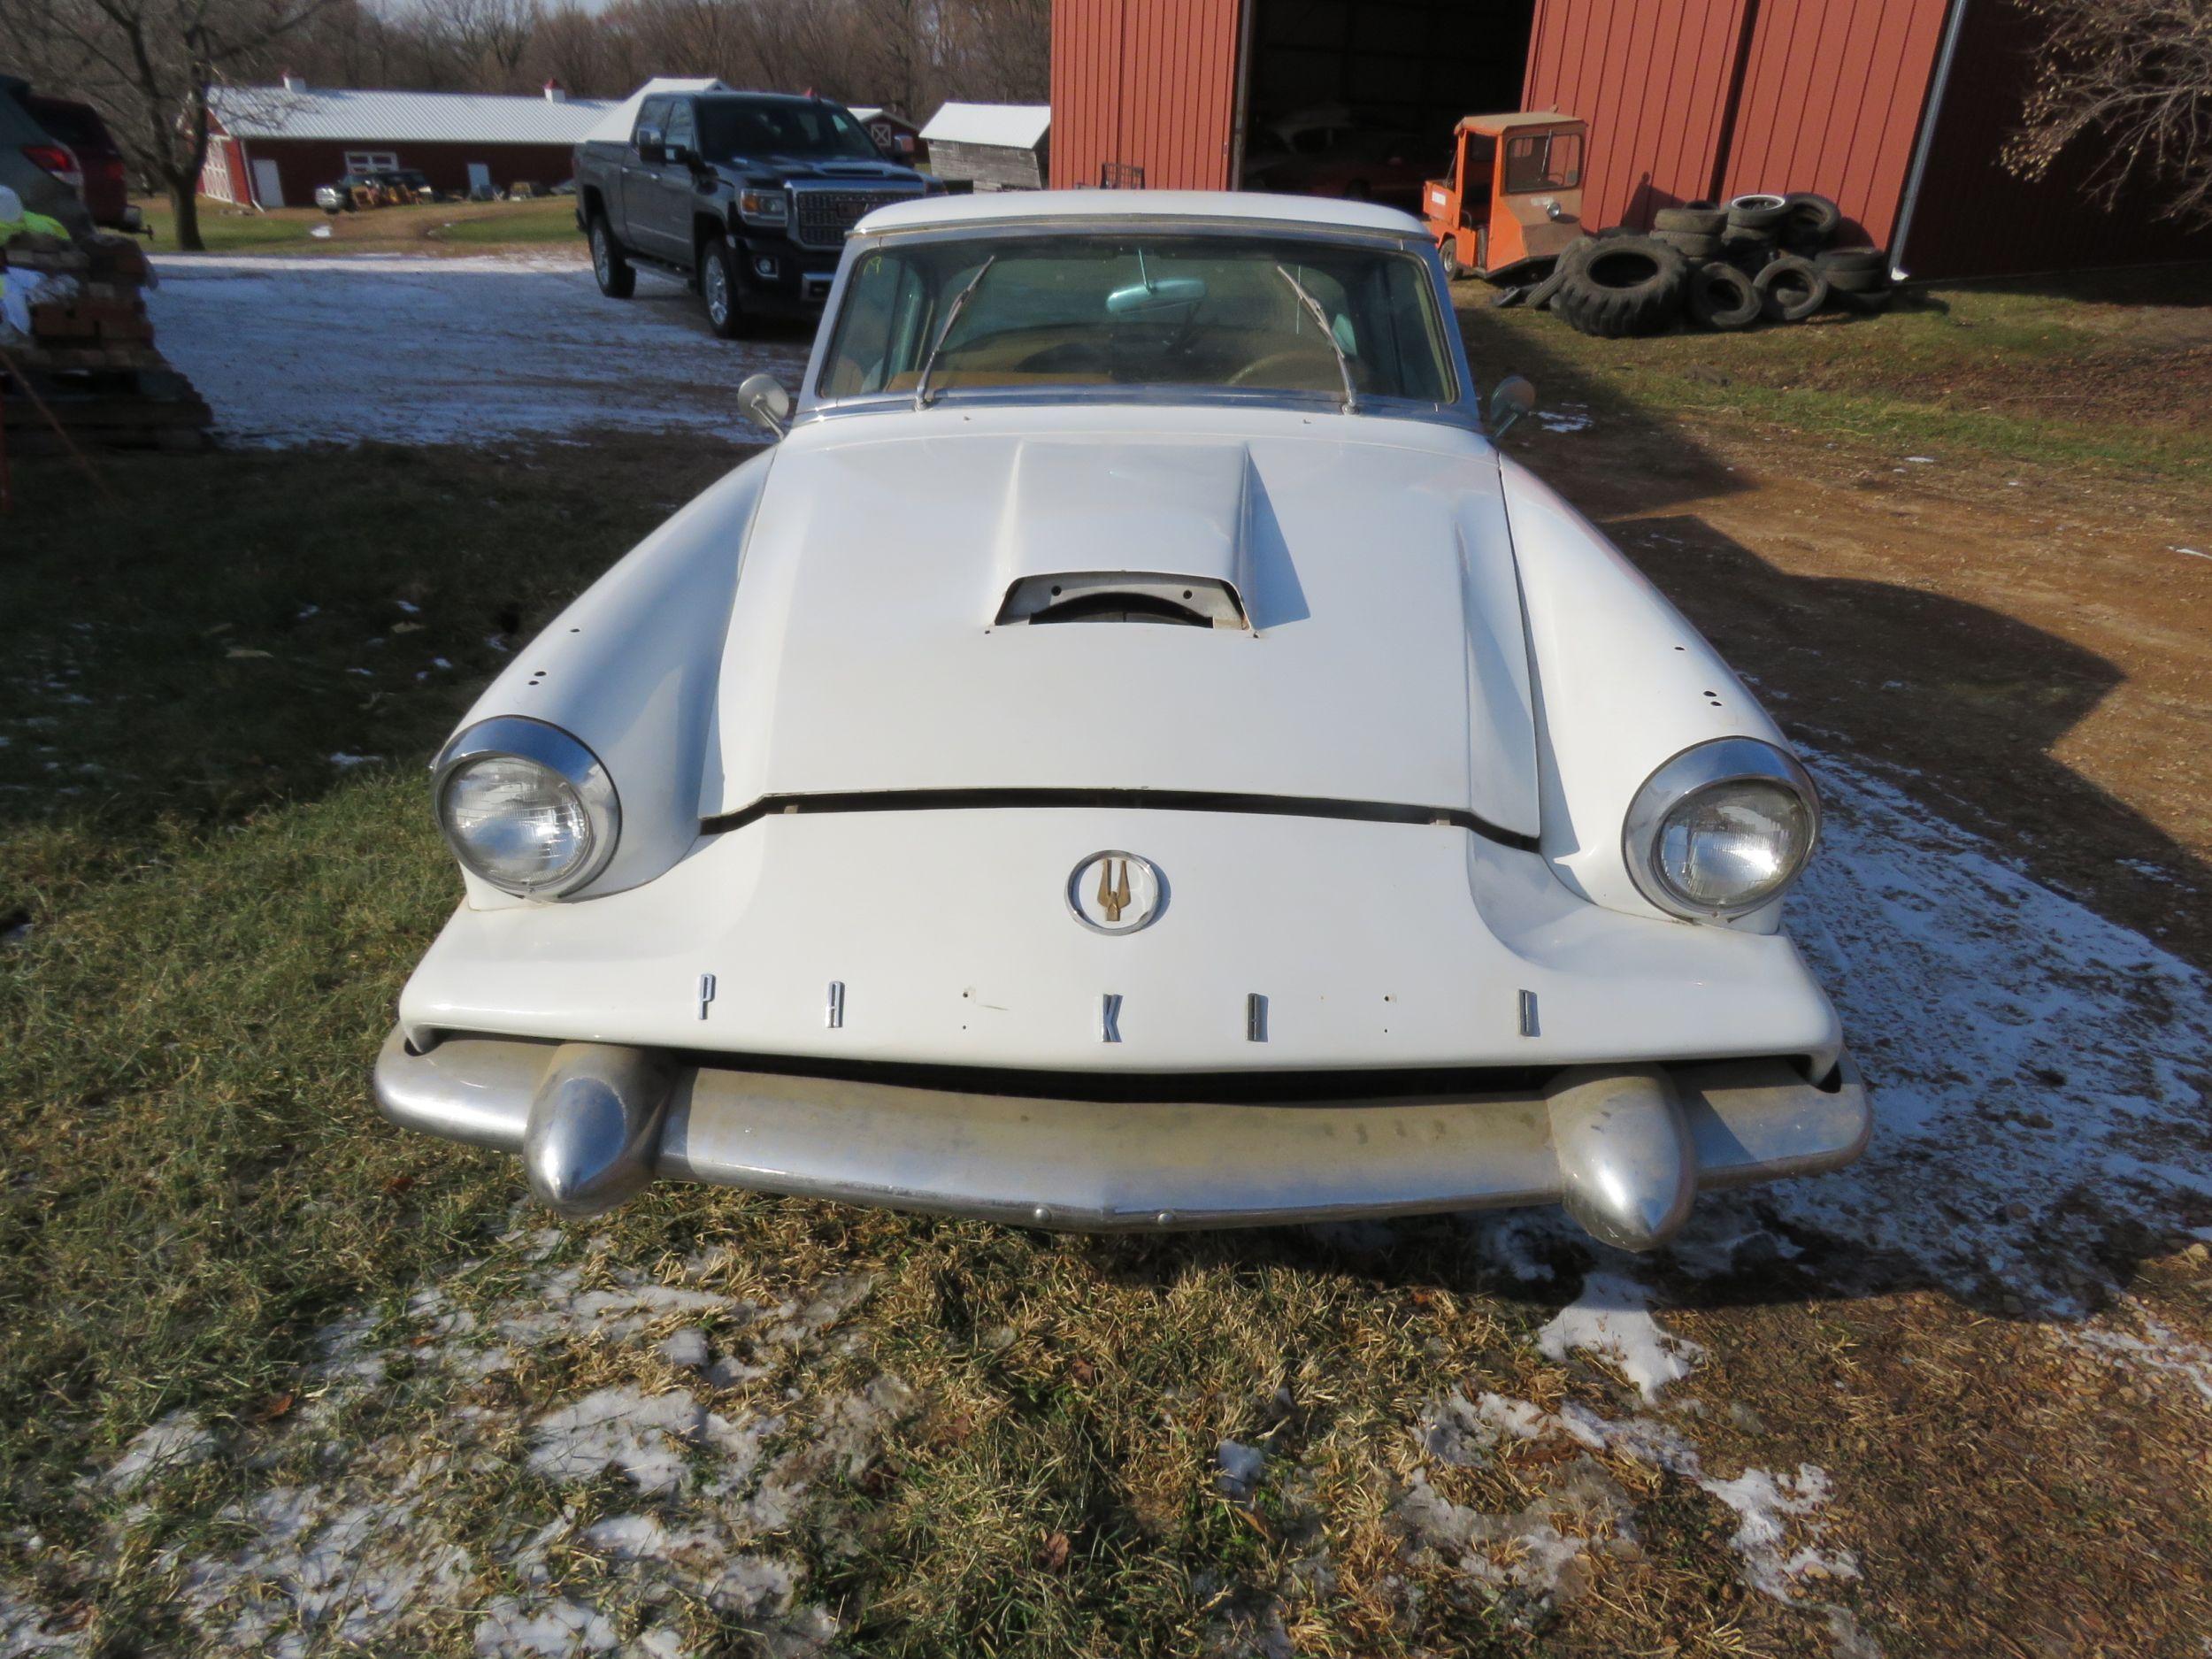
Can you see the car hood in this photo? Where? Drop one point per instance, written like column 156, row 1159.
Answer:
column 1371, row 647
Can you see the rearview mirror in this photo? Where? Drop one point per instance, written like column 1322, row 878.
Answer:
column 765, row 402
column 648, row 144
column 1510, row 399
column 1158, row 294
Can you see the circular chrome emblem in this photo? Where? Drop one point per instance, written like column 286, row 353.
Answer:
column 1114, row 892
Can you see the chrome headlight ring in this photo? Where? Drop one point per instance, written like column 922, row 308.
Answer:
column 1705, row 773
column 573, row 769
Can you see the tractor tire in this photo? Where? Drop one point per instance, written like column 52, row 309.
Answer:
column 1759, row 212
column 1631, row 284
column 1747, row 249
column 617, row 279
column 1695, row 246
column 1811, row 221
column 1696, row 221
column 1721, row 296
column 1447, row 252
column 1789, row 288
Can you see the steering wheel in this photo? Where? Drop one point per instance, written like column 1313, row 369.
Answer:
column 1269, row 364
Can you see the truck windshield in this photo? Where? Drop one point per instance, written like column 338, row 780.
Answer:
column 781, row 127
column 1112, row 309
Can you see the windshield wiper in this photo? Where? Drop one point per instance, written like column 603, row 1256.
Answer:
column 952, row 315
column 1321, row 317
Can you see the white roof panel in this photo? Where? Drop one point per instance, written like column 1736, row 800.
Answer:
column 999, row 205
column 614, row 126
column 369, row 117
column 1010, row 126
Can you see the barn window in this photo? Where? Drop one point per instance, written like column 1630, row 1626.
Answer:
column 372, row 160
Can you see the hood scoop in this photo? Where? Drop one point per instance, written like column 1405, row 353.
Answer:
column 1125, row 532
column 1193, row 602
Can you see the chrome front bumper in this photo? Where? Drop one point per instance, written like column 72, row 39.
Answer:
column 1624, row 1148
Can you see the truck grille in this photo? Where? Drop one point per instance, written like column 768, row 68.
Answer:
column 820, row 218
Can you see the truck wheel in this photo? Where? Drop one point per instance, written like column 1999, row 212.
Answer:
column 617, row 279
column 1447, row 251
column 718, row 288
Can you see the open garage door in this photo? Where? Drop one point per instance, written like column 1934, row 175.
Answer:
column 1358, row 98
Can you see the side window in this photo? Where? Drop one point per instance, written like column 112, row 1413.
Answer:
column 1566, row 160
column 653, row 113
column 681, row 129
column 1543, row 161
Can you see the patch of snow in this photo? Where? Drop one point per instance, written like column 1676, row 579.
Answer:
column 2191, row 551
column 2037, row 1071
column 1611, row 1318
column 647, row 1438
column 346, row 762
column 300, row 350
column 2159, row 1349
column 555, row 1629
column 1238, row 1468
column 686, row 1349
column 1562, row 420
column 176, row 1441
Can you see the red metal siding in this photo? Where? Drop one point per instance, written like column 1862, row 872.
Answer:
column 1145, row 83
column 1974, row 219
column 1832, row 100
column 1652, row 79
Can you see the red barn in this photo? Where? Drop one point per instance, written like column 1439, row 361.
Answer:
column 271, row 146
column 1898, row 109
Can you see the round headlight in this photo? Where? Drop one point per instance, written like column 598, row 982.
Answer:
column 526, row 807
column 1721, row 829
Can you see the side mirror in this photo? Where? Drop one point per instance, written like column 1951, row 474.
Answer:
column 765, row 402
column 1510, row 399
column 648, row 144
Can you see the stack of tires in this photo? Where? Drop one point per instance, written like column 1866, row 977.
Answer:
column 1760, row 256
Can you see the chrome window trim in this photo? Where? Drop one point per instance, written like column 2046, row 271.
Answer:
column 522, row 738
column 1705, row 766
column 1460, row 410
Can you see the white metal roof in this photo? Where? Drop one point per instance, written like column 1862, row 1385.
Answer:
column 1011, row 125
column 614, row 126
column 986, row 208
column 368, row 117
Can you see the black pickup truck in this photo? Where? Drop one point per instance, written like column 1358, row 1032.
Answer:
column 747, row 195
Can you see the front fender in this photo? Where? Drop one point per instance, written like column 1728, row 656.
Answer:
column 1623, row 683
column 630, row 669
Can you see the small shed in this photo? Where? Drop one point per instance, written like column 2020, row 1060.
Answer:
column 271, row 146
column 895, row 134
column 991, row 146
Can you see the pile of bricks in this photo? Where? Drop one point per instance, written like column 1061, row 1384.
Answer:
column 91, row 368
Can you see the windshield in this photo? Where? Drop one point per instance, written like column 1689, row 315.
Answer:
column 781, row 127
column 1117, row 308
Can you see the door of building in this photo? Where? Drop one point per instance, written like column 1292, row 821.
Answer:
column 268, row 186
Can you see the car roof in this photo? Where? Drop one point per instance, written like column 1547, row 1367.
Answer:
column 1079, row 207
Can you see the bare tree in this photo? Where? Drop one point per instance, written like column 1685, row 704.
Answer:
column 150, row 65
column 485, row 40
column 2134, row 76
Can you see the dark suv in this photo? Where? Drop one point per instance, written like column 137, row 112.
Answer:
column 747, row 195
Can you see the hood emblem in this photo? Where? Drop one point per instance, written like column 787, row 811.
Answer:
column 1114, row 892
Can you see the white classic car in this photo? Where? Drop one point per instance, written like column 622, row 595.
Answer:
column 1131, row 754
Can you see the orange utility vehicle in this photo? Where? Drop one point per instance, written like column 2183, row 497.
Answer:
column 1514, row 199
